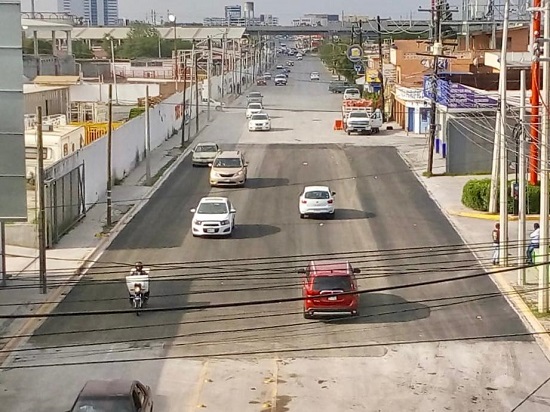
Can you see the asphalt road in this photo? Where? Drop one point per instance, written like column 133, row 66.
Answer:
column 413, row 349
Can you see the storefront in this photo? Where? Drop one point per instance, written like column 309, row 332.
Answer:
column 411, row 109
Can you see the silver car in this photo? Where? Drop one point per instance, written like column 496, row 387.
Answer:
column 205, row 153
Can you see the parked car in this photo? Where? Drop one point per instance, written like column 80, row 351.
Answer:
column 254, row 97
column 280, row 67
column 205, row 153
column 299, row 58
column 253, row 108
column 280, row 80
column 114, row 395
column 338, row 86
column 214, row 216
column 316, row 200
column 228, row 169
column 290, row 63
column 259, row 121
column 314, row 76
column 323, row 283
column 213, row 103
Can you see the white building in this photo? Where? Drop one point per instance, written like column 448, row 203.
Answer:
column 94, row 12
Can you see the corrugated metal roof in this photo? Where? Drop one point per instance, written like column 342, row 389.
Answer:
column 36, row 88
column 36, row 24
column 56, row 80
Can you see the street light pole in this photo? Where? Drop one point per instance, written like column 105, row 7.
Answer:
column 209, row 76
column 173, row 19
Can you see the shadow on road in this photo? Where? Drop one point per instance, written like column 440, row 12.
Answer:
column 386, row 308
column 281, row 129
column 343, row 214
column 265, row 182
column 254, row 231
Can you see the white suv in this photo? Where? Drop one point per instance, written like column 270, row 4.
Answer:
column 214, row 216
column 317, row 200
column 314, row 76
column 352, row 93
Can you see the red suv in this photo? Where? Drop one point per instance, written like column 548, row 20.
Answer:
column 326, row 279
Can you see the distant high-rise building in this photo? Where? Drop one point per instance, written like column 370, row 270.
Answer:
column 93, row 12
column 232, row 13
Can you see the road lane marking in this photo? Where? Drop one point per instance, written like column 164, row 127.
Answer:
column 197, row 392
column 275, row 386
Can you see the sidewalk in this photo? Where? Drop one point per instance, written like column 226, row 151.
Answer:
column 475, row 228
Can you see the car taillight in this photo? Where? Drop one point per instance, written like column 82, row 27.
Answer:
column 330, row 201
column 304, row 202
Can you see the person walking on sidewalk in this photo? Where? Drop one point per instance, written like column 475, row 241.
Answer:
column 496, row 243
column 534, row 243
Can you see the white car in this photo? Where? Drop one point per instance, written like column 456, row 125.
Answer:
column 205, row 153
column 317, row 200
column 352, row 93
column 214, row 216
column 259, row 121
column 280, row 67
column 280, row 79
column 213, row 103
column 299, row 58
column 314, row 76
column 253, row 108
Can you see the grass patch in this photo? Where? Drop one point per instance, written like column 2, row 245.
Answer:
column 158, row 175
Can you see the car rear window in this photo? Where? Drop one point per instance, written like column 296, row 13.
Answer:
column 317, row 194
column 206, row 149
column 321, row 283
column 110, row 404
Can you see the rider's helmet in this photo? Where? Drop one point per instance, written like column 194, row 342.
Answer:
column 139, row 266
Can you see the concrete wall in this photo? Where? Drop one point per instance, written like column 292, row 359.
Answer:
column 48, row 66
column 470, row 143
column 126, row 94
column 128, row 145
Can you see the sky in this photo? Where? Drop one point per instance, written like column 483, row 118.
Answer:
column 286, row 10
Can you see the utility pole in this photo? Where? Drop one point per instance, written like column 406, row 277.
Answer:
column 503, row 186
column 191, row 91
column 114, row 69
column 535, row 96
column 240, row 68
column 209, row 76
column 109, row 159
column 3, row 253
column 147, row 138
column 521, row 168
column 544, row 204
column 361, row 33
column 41, row 204
column 224, row 50
column 184, row 116
column 197, row 120
column 381, row 68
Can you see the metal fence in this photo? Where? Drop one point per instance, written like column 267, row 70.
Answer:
column 65, row 203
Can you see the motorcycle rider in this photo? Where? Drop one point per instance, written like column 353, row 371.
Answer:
column 138, row 270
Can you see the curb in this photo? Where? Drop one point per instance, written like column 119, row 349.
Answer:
column 490, row 216
column 87, row 262
column 515, row 301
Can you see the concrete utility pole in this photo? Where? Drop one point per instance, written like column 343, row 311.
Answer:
column 114, row 69
column 147, row 138
column 184, row 114
column 41, row 203
column 381, row 67
column 545, row 136
column 224, row 51
column 522, row 187
column 535, row 96
column 197, row 120
column 209, row 77
column 503, row 186
column 110, row 158
column 191, row 91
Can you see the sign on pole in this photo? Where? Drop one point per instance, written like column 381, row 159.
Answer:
column 354, row 53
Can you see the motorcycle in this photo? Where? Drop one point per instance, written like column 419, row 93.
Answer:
column 138, row 289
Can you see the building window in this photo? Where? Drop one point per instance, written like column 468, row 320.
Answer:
column 65, row 149
column 31, row 153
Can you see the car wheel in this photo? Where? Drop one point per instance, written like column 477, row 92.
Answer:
column 349, row 133
column 302, row 216
column 307, row 315
column 332, row 215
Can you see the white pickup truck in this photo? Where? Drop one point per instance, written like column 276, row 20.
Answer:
column 363, row 120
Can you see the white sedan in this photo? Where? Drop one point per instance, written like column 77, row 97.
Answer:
column 317, row 200
column 253, row 108
column 314, row 76
column 214, row 216
column 259, row 121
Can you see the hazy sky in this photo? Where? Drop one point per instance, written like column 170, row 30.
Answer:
column 286, row 10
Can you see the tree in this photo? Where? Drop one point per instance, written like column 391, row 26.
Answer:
column 44, row 46
column 81, row 50
column 334, row 55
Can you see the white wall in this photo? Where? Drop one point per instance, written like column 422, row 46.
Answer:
column 125, row 93
column 128, row 145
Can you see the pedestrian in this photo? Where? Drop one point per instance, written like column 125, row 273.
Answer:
column 534, row 243
column 496, row 243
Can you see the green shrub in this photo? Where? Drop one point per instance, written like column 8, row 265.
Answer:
column 476, row 194
column 135, row 112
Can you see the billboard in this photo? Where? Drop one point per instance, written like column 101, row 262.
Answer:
column 456, row 95
column 13, row 192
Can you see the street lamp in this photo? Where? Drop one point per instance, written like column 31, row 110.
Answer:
column 172, row 19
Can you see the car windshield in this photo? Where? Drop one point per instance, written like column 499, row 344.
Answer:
column 206, row 149
column 114, row 404
column 315, row 74
column 255, row 94
column 255, row 106
column 259, row 117
column 228, row 162
column 212, row 208
column 317, row 194
column 352, row 91
column 321, row 283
